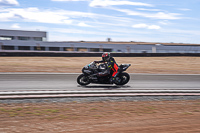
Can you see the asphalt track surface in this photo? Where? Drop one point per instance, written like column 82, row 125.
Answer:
column 67, row 82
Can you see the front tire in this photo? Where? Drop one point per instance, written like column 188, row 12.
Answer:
column 83, row 80
column 122, row 79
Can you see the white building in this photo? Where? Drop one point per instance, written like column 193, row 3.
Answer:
column 37, row 41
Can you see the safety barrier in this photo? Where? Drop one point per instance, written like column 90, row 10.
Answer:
column 88, row 54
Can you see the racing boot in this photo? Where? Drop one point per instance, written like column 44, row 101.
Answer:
column 112, row 80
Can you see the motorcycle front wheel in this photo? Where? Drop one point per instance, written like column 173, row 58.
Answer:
column 122, row 79
column 83, row 80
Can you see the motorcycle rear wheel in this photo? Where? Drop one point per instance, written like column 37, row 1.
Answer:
column 123, row 78
column 83, row 80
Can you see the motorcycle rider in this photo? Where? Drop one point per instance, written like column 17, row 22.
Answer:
column 111, row 66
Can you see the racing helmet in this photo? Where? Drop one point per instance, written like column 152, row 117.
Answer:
column 106, row 56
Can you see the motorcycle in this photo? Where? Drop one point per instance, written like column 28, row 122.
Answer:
column 86, row 77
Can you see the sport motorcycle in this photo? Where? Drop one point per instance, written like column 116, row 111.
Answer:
column 121, row 78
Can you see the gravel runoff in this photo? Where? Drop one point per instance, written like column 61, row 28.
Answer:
column 99, row 99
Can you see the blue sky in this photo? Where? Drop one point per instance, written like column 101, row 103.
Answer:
column 175, row 21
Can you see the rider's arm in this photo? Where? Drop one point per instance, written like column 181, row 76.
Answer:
column 99, row 61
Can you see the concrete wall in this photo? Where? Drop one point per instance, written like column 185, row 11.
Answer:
column 61, row 54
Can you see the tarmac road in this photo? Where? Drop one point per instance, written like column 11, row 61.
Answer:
column 47, row 81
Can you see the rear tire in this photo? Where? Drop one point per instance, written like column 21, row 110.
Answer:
column 83, row 80
column 123, row 78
